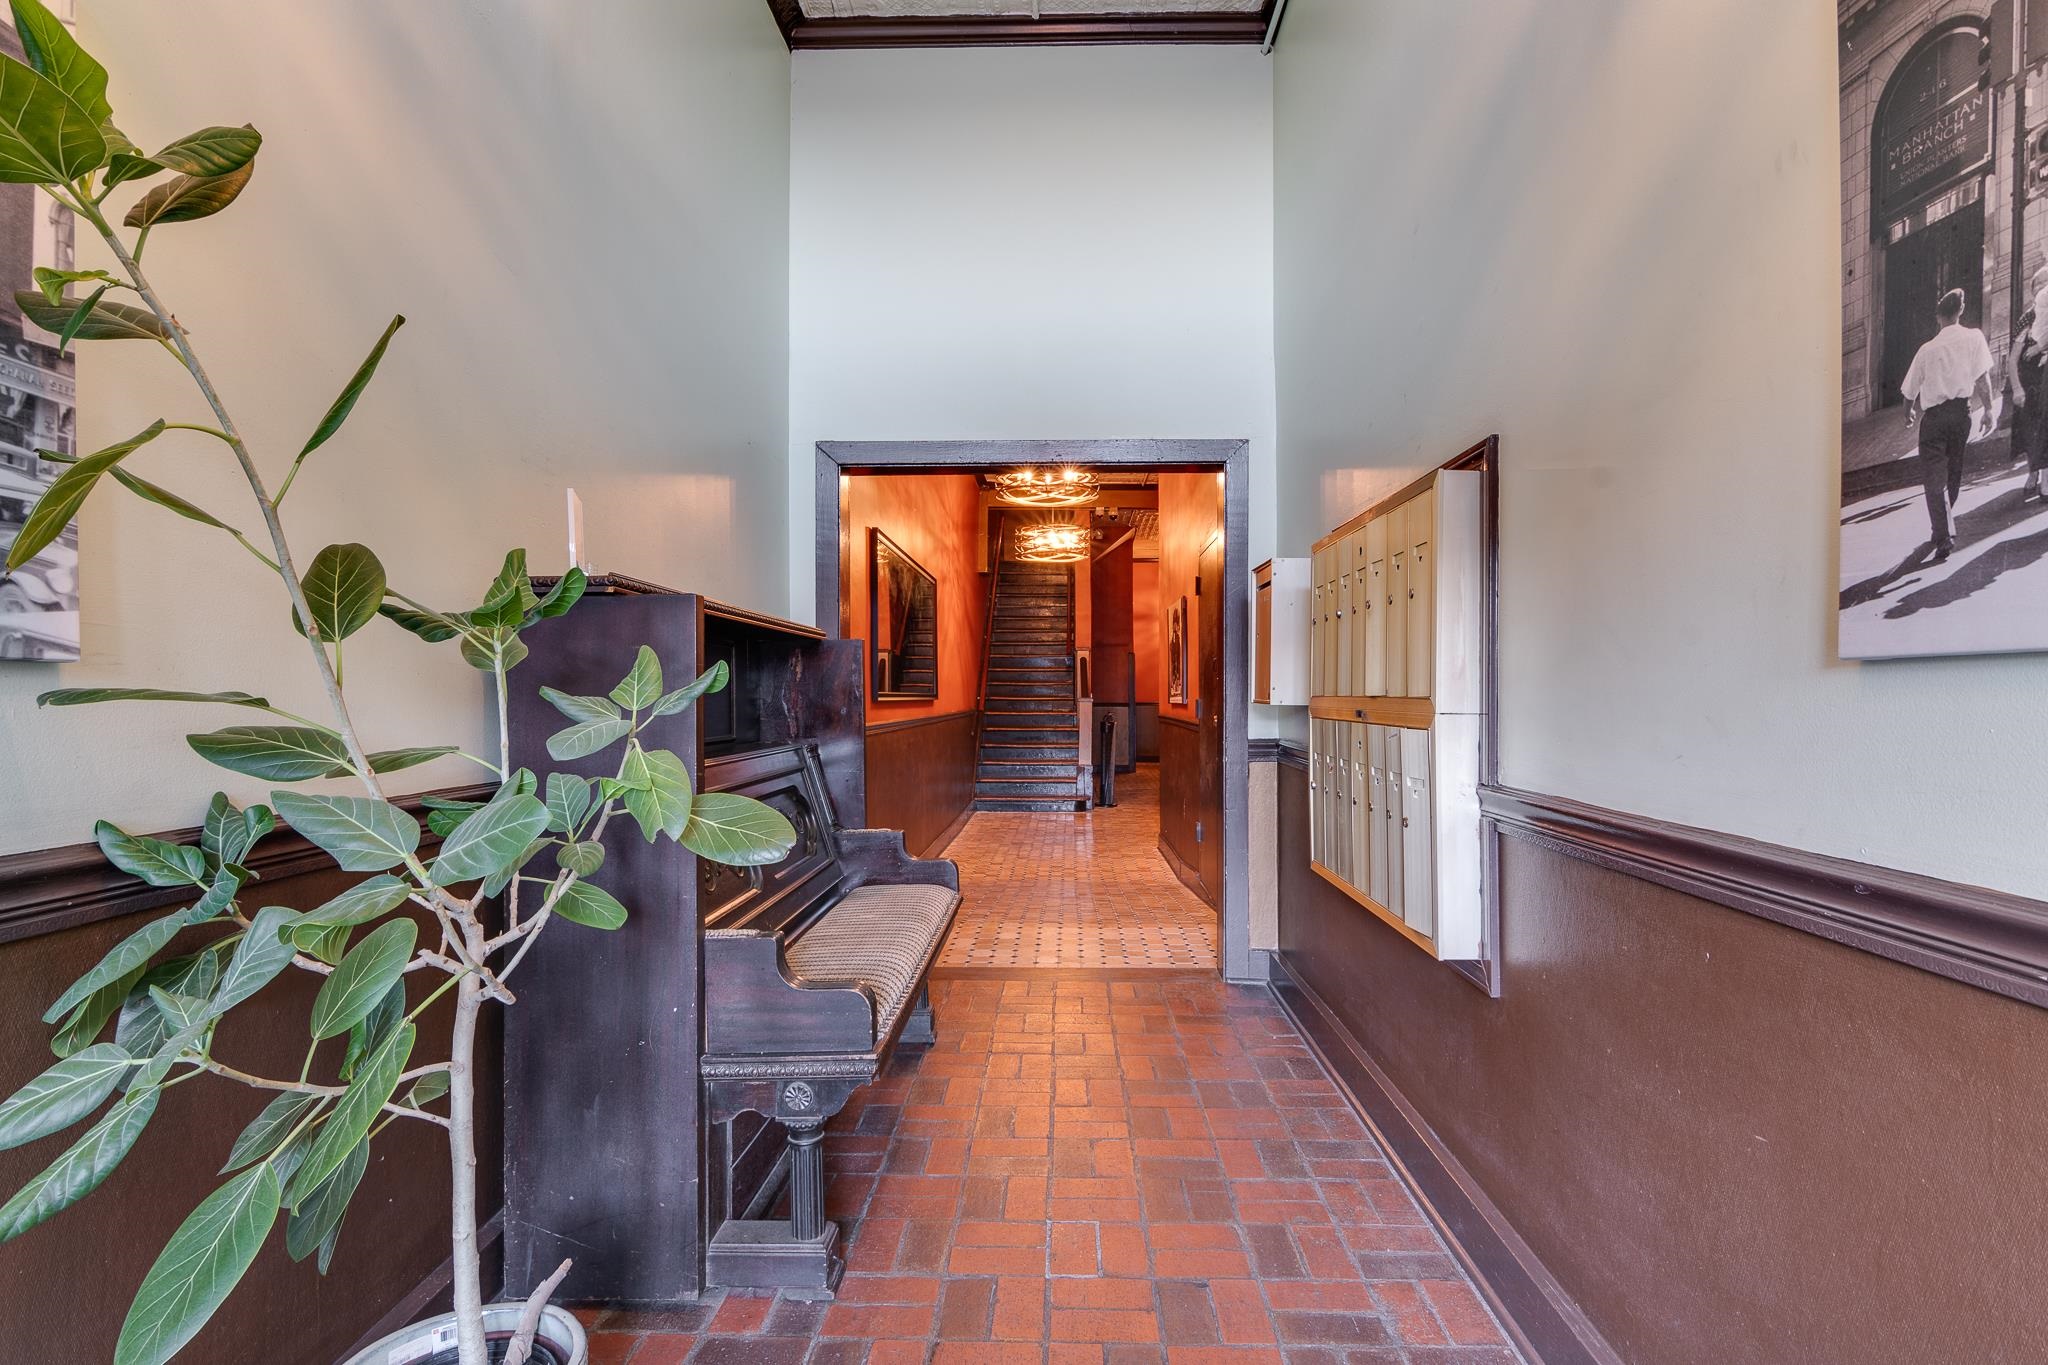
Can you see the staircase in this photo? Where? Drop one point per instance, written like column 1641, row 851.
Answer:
column 1030, row 731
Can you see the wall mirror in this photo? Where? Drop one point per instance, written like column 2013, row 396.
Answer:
column 903, row 623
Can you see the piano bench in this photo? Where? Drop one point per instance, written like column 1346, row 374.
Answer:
column 811, row 978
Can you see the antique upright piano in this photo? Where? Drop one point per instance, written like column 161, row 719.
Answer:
column 667, row 1083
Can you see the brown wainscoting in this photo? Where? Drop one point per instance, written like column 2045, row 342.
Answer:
column 921, row 779
column 71, row 1279
column 1723, row 1137
column 1180, row 804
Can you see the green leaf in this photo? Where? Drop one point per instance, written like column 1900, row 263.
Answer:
column 107, row 322
column 568, row 802
column 494, row 648
column 153, row 860
column 131, row 954
column 566, row 593
column 580, row 708
column 226, row 883
column 360, row 380
column 587, row 738
column 359, row 833
column 591, row 905
column 502, row 878
column 204, row 1260
column 368, row 1033
column 211, row 151
column 712, row 679
column 164, row 497
column 87, row 696
column 82, row 1168
column 270, row 1128
column 67, row 493
column 509, row 597
column 641, row 687
column 46, row 137
column 583, row 859
column 663, row 806
column 344, row 587
column 729, row 828
column 92, row 1013
column 361, row 903
column 279, row 753
column 184, row 1012
column 142, row 1029
column 429, row 626
column 392, row 760
column 443, row 820
column 354, row 1112
column 328, row 945
column 79, row 313
column 427, row 1089
column 125, row 160
column 318, row 1215
column 55, row 55
column 369, row 970
column 229, row 832
column 490, row 839
column 63, row 1095
column 54, row 282
column 189, row 197
column 263, row 953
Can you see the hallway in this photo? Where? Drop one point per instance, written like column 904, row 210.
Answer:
column 1090, row 891
column 1147, row 1171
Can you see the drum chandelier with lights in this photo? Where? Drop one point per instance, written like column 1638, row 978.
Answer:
column 1052, row 542
column 1047, row 487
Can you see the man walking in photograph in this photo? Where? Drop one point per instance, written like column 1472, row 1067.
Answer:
column 1948, row 391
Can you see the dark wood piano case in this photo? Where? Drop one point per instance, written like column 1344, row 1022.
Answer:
column 607, row 1162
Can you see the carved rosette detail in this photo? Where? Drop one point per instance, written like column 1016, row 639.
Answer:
column 799, row 1098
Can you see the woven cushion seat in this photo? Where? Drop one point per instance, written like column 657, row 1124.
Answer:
column 880, row 936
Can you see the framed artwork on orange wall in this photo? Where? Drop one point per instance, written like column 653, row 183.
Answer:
column 1177, row 653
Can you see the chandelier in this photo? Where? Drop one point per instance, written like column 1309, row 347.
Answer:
column 1052, row 542
column 1047, row 487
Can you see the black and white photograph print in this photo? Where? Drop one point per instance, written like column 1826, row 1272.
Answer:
column 38, row 601
column 1944, row 523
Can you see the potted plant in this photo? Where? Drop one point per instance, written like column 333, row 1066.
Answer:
column 144, row 1018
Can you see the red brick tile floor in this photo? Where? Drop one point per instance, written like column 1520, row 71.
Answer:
column 1143, row 1171
column 1086, row 890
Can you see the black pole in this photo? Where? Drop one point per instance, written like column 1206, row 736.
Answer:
column 2020, row 56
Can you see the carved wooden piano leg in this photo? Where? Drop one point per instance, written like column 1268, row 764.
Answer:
column 918, row 1027
column 806, row 1178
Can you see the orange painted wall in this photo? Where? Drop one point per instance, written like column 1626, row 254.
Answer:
column 1147, row 629
column 934, row 517
column 1190, row 513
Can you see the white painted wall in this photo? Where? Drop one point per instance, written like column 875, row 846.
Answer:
column 1608, row 231
column 582, row 208
column 1052, row 242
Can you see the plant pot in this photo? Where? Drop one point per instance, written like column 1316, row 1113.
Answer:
column 560, row 1340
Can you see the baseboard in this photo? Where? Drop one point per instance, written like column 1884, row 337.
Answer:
column 1546, row 1324
column 422, row 1301
column 945, row 841
column 1186, row 875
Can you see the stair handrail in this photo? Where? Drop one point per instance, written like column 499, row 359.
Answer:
column 988, row 634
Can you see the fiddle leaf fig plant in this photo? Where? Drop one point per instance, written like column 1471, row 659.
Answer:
column 423, row 922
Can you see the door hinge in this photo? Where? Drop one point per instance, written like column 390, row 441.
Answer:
column 1198, row 831
column 1198, row 585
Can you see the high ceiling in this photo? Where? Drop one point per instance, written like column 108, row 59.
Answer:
column 976, row 23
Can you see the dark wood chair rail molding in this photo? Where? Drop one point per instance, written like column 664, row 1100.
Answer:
column 1994, row 940
column 1267, row 751
column 50, row 889
column 1547, row 1325
column 891, row 726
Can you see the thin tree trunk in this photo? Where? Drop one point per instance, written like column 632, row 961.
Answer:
column 468, row 1279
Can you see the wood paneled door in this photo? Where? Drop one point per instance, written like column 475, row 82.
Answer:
column 1209, row 594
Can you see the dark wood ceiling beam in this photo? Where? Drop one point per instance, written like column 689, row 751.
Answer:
column 1006, row 31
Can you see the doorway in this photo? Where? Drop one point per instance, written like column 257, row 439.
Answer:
column 1918, row 269
column 1085, row 850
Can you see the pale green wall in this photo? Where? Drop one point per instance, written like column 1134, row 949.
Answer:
column 582, row 208
column 1608, row 230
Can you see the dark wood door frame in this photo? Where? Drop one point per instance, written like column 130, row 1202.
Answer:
column 836, row 459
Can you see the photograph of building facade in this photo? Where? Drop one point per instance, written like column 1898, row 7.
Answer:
column 1944, row 193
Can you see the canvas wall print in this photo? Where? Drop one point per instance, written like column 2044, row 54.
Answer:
column 1944, row 525
column 39, row 600
column 1177, row 652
